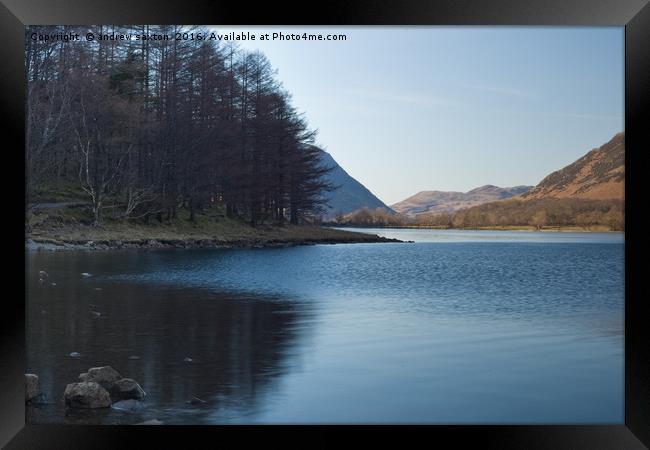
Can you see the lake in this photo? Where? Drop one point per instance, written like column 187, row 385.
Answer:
column 462, row 327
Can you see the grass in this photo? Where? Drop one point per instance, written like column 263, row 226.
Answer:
column 70, row 225
column 62, row 192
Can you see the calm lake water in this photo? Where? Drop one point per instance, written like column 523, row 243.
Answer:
column 458, row 327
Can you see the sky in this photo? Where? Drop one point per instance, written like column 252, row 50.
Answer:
column 407, row 109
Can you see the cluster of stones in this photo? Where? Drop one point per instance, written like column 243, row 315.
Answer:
column 100, row 387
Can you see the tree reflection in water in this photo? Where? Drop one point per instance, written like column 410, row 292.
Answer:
column 239, row 344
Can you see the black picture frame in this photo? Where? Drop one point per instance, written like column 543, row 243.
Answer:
column 634, row 15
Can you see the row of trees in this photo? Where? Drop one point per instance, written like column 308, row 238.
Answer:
column 366, row 217
column 549, row 212
column 146, row 127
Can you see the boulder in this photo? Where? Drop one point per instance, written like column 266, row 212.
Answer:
column 105, row 376
column 125, row 389
column 86, row 394
column 31, row 386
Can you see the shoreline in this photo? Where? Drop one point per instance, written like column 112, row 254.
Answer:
column 505, row 228
column 65, row 227
column 38, row 244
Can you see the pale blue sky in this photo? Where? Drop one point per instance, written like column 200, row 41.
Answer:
column 406, row 109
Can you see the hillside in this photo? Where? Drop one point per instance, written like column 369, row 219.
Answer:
column 350, row 194
column 438, row 202
column 587, row 193
column 599, row 175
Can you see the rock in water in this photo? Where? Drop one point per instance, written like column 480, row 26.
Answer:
column 196, row 401
column 127, row 405
column 75, row 355
column 86, row 394
column 105, row 376
column 151, row 422
column 86, row 274
column 126, row 389
column 188, row 359
column 31, row 386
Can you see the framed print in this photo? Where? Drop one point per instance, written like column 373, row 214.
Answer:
column 385, row 219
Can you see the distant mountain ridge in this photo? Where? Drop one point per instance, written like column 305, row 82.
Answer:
column 598, row 175
column 437, row 202
column 350, row 194
column 587, row 193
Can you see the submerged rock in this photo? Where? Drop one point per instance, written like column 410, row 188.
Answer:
column 151, row 422
column 105, row 376
column 86, row 394
column 188, row 359
column 127, row 405
column 134, row 357
column 31, row 386
column 196, row 401
column 75, row 355
column 126, row 389
column 86, row 274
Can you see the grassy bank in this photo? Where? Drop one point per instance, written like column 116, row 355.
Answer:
column 67, row 226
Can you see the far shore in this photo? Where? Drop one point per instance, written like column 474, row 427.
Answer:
column 63, row 226
column 568, row 229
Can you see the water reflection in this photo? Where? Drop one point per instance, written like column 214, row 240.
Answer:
column 239, row 345
column 499, row 329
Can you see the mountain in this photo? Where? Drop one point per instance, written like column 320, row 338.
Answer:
column 599, row 175
column 588, row 193
column 437, row 202
column 350, row 194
